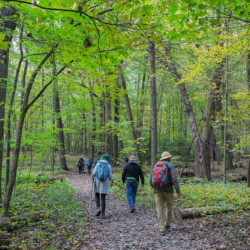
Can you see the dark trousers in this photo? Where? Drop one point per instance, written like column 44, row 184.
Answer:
column 97, row 201
column 89, row 170
column 80, row 169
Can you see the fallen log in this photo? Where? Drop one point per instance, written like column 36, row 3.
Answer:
column 195, row 212
column 12, row 223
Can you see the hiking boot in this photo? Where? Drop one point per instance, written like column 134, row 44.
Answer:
column 103, row 216
column 132, row 210
column 98, row 213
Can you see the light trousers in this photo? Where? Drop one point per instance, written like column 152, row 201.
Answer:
column 164, row 208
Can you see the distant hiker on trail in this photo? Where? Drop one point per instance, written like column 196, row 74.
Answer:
column 162, row 179
column 80, row 164
column 89, row 165
column 101, row 176
column 131, row 173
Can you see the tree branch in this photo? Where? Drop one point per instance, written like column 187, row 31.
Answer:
column 70, row 10
column 47, row 85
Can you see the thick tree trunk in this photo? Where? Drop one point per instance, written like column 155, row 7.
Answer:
column 153, row 102
column 8, row 136
column 7, row 27
column 130, row 115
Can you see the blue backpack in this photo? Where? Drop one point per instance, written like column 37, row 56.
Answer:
column 102, row 171
column 89, row 162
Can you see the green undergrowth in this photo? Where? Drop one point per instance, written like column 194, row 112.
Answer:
column 195, row 192
column 62, row 224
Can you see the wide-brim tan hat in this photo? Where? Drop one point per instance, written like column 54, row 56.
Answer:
column 165, row 155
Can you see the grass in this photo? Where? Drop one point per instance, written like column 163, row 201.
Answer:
column 62, row 226
column 195, row 192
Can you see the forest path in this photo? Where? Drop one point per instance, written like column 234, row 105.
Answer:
column 123, row 230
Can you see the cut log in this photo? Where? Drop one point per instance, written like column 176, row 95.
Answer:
column 12, row 223
column 195, row 212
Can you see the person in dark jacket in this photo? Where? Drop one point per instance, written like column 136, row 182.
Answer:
column 164, row 196
column 131, row 173
column 80, row 164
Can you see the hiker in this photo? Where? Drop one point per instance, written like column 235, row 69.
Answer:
column 101, row 176
column 80, row 164
column 163, row 189
column 89, row 165
column 131, row 173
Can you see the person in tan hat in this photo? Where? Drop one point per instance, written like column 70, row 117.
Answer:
column 163, row 183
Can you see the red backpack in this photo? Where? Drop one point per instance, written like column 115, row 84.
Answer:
column 159, row 177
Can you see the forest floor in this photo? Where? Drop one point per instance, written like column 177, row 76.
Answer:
column 123, row 230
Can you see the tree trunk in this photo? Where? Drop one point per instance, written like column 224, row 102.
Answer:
column 7, row 26
column 188, row 109
column 130, row 115
column 102, row 121
column 57, row 110
column 153, row 103
column 116, row 121
column 8, row 136
column 62, row 157
column 248, row 87
column 141, row 106
column 108, row 133
column 92, row 147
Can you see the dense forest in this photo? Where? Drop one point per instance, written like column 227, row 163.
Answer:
column 121, row 77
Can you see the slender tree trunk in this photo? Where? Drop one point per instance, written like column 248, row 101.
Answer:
column 8, row 137
column 141, row 106
column 62, row 157
column 85, row 147
column 102, row 120
column 130, row 116
column 108, row 134
column 248, row 86
column 153, row 103
column 92, row 147
column 188, row 109
column 116, row 120
column 26, row 106
column 7, row 27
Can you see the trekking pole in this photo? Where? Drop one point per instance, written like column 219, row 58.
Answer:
column 90, row 200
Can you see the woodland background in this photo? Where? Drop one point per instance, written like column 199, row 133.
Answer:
column 122, row 77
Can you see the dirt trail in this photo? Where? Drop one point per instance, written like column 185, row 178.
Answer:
column 123, row 230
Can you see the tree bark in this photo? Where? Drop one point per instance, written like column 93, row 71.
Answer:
column 7, row 26
column 8, row 136
column 188, row 109
column 116, row 120
column 92, row 145
column 248, row 87
column 141, row 106
column 108, row 130
column 25, row 108
column 130, row 115
column 153, row 102
column 62, row 157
